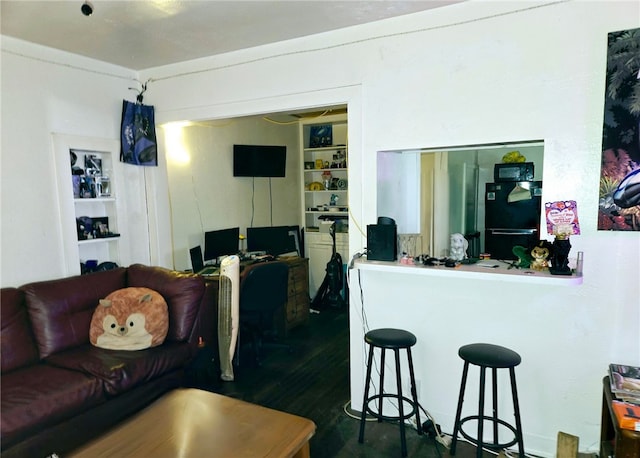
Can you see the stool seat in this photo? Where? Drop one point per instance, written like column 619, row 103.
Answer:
column 390, row 338
column 488, row 355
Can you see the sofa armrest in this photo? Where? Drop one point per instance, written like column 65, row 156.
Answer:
column 206, row 329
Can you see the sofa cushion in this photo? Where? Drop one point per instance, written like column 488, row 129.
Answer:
column 17, row 346
column 183, row 293
column 121, row 370
column 130, row 319
column 41, row 395
column 60, row 310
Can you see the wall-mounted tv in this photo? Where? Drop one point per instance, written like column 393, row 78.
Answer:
column 259, row 161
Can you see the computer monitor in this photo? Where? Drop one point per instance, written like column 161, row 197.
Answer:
column 222, row 242
column 275, row 240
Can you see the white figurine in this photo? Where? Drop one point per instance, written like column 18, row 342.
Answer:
column 458, row 249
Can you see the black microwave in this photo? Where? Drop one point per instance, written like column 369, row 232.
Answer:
column 516, row 171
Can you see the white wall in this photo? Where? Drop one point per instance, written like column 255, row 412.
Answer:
column 46, row 91
column 494, row 76
column 204, row 194
column 473, row 73
column 399, row 175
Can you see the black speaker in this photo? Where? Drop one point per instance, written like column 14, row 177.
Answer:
column 382, row 242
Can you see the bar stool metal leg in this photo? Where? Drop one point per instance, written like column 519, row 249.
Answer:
column 403, row 439
column 414, row 391
column 381, row 386
column 494, row 375
column 366, row 395
column 456, row 427
column 481, row 412
column 516, row 412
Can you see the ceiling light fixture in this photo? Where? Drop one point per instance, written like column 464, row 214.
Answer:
column 87, row 8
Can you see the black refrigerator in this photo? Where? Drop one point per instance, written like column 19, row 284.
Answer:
column 512, row 217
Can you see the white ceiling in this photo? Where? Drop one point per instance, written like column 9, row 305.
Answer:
column 141, row 34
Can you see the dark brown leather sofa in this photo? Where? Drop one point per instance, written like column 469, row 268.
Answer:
column 57, row 390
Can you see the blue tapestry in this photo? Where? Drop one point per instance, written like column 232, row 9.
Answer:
column 138, row 134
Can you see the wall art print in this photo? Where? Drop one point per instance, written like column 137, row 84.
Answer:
column 619, row 205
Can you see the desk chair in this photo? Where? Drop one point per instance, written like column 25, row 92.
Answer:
column 263, row 291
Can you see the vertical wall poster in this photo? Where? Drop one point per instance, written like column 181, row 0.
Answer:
column 619, row 207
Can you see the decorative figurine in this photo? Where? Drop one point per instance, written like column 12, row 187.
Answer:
column 524, row 256
column 560, row 255
column 326, row 179
column 540, row 253
column 458, row 247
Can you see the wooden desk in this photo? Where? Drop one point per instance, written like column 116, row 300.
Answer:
column 296, row 312
column 193, row 423
column 615, row 441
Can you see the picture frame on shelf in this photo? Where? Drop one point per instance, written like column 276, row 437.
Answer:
column 92, row 165
column 320, row 135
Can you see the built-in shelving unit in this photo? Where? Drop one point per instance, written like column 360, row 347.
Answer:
column 87, row 171
column 325, row 162
column 325, row 191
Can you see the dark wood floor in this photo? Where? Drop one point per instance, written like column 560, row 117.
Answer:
column 313, row 381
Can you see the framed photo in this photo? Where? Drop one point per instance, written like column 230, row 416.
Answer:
column 320, row 135
column 92, row 165
column 100, row 226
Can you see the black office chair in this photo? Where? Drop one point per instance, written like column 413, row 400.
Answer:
column 263, row 291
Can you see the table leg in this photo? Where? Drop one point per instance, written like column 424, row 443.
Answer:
column 304, row 451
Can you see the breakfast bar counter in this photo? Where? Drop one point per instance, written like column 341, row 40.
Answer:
column 488, row 269
column 536, row 314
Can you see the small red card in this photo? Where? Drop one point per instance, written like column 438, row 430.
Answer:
column 562, row 218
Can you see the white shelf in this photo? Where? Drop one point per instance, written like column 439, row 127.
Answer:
column 89, row 200
column 324, row 148
column 98, row 240
column 335, row 169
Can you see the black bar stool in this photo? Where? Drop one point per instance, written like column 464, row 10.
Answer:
column 396, row 340
column 494, row 357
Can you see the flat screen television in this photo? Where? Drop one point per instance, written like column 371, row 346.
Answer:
column 222, row 242
column 275, row 240
column 259, row 161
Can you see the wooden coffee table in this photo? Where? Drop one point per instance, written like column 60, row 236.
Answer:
column 193, row 423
